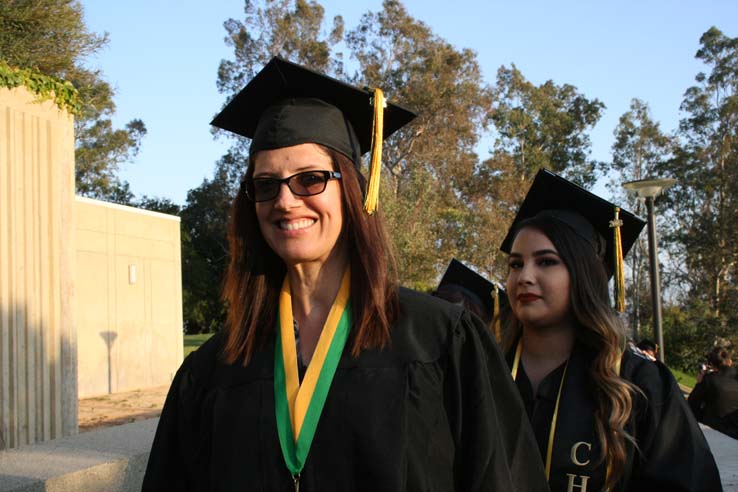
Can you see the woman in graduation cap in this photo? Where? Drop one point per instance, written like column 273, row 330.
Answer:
column 328, row 376
column 604, row 418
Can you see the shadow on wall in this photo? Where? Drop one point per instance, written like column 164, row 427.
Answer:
column 109, row 338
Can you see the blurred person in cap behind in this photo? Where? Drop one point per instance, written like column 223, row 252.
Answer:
column 328, row 376
column 648, row 348
column 462, row 285
column 714, row 399
column 604, row 418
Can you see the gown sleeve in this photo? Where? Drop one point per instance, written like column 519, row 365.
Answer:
column 178, row 458
column 696, row 399
column 673, row 453
column 489, row 424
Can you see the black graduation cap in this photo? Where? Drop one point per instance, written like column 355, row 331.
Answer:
column 462, row 280
column 287, row 104
column 587, row 214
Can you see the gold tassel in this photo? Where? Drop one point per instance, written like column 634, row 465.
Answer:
column 619, row 267
column 496, row 313
column 375, row 166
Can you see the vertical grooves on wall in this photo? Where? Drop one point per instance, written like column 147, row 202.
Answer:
column 36, row 198
column 5, row 276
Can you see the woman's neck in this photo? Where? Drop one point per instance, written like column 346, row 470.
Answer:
column 314, row 287
column 545, row 349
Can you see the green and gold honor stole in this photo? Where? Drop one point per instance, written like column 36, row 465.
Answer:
column 298, row 406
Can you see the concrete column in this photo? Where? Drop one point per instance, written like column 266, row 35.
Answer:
column 38, row 353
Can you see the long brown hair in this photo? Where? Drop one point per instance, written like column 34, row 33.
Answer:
column 599, row 331
column 255, row 273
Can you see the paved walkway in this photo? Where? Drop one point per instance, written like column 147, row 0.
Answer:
column 725, row 451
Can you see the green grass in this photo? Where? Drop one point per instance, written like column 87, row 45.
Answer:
column 684, row 378
column 191, row 342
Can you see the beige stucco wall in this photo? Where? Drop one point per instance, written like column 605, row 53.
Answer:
column 38, row 379
column 129, row 330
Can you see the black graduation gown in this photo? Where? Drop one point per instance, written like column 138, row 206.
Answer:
column 436, row 411
column 673, row 454
column 714, row 401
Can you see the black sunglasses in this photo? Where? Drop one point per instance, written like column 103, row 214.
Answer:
column 306, row 183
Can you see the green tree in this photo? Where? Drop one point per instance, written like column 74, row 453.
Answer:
column 205, row 249
column 430, row 166
column 544, row 126
column 157, row 204
column 690, row 330
column 639, row 151
column 439, row 200
column 705, row 199
column 50, row 36
column 291, row 29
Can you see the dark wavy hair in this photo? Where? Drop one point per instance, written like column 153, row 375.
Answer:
column 255, row 273
column 598, row 330
column 720, row 357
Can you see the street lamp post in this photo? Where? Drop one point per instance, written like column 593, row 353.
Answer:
column 649, row 189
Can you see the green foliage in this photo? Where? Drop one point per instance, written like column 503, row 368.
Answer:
column 430, row 165
column 439, row 200
column 544, row 126
column 205, row 248
column 639, row 150
column 63, row 93
column 158, row 204
column 690, row 332
column 50, row 37
column 287, row 28
column 99, row 153
column 706, row 167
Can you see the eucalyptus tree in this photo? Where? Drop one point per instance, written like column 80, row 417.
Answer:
column 50, row 36
column 705, row 199
column 640, row 150
column 430, row 166
column 544, row 126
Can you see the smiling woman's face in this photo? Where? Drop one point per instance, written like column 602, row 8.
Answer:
column 299, row 229
column 537, row 281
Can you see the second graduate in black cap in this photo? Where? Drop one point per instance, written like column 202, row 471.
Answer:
column 604, row 418
column 462, row 285
column 328, row 377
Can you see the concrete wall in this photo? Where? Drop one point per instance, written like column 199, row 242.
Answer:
column 129, row 297
column 38, row 377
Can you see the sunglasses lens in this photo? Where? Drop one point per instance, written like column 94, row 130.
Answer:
column 309, row 183
column 302, row 184
column 265, row 189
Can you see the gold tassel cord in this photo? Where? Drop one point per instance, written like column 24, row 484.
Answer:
column 496, row 313
column 371, row 200
column 618, row 263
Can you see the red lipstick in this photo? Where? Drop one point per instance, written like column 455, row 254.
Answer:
column 525, row 298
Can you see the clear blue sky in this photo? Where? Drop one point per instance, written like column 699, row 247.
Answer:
column 163, row 56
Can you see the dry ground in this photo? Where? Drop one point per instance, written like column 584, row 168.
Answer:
column 120, row 408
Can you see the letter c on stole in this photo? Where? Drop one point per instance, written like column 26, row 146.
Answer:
column 574, row 449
